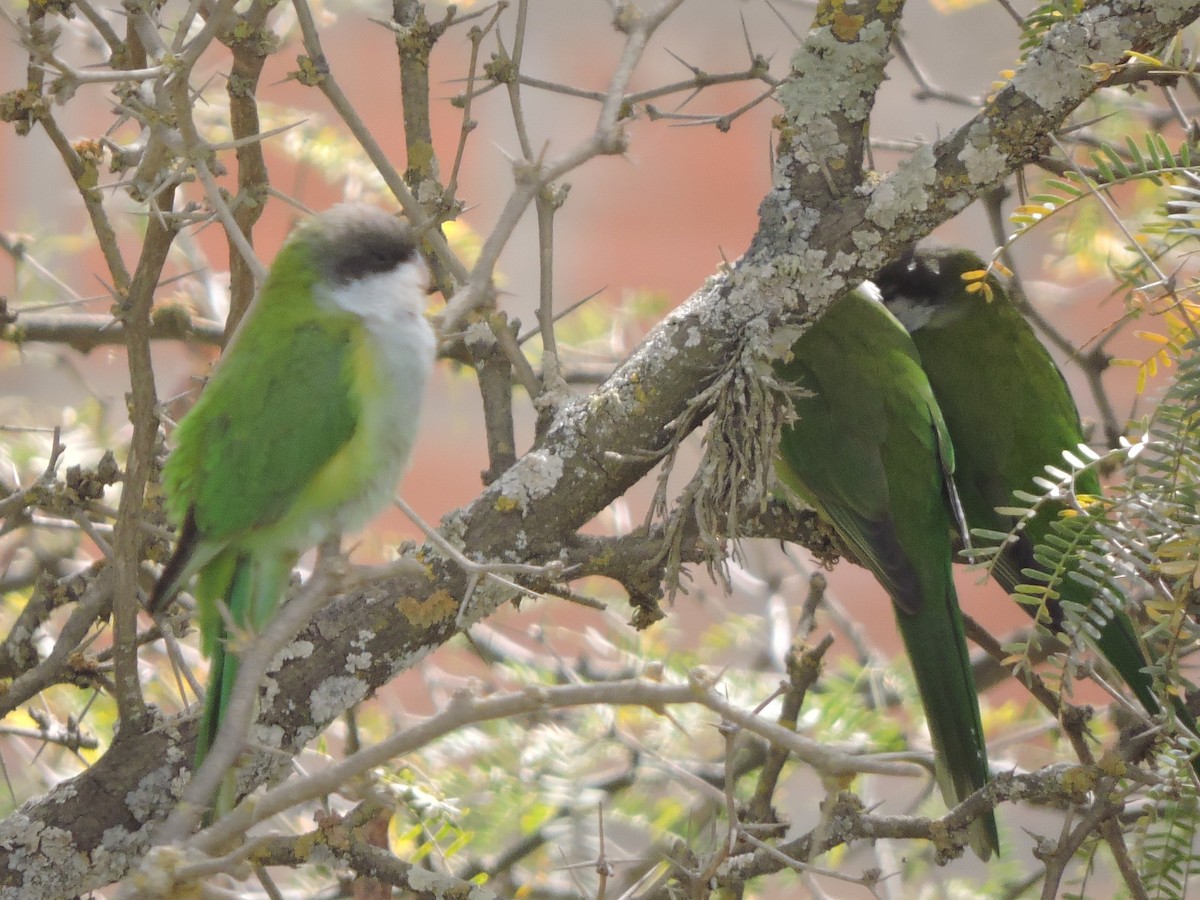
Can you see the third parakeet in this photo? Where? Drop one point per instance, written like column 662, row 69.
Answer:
column 869, row 451
column 301, row 432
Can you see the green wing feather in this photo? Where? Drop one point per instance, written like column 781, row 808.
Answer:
column 220, row 470
column 1010, row 414
column 869, row 451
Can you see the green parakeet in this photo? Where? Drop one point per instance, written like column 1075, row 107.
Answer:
column 301, row 432
column 868, row 450
column 1009, row 414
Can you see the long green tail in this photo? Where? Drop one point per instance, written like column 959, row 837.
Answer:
column 936, row 648
column 249, row 587
column 236, row 577
column 1117, row 642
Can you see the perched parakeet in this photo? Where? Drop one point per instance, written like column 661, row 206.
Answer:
column 301, row 432
column 1009, row 414
column 868, row 450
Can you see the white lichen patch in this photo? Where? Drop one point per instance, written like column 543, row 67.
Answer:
column 667, row 351
column 359, row 658
column 957, row 202
column 777, row 276
column 111, row 858
column 1170, row 11
column 269, row 688
column 830, row 77
column 872, row 259
column 520, row 544
column 836, row 75
column 267, row 692
column 905, row 191
column 601, row 399
column 865, row 239
column 335, row 694
column 453, row 527
column 295, row 650
column 117, row 839
column 155, row 793
column 984, row 163
column 779, row 346
column 45, row 857
column 479, row 335
column 817, row 142
column 1059, row 71
column 536, row 476
column 799, row 273
column 811, row 276
column 268, row 736
column 783, row 214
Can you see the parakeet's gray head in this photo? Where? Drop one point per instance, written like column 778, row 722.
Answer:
column 918, row 287
column 908, row 285
column 368, row 261
column 351, row 241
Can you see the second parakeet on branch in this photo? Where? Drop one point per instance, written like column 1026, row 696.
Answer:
column 869, row 451
column 1010, row 414
column 301, row 432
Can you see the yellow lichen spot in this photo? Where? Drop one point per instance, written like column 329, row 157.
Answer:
column 303, row 845
column 506, row 504
column 1079, row 780
column 846, row 27
column 439, row 606
column 420, row 156
column 310, row 72
column 1112, row 765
